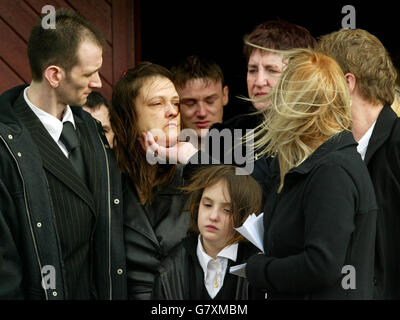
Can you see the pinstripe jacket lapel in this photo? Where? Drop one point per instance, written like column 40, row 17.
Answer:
column 53, row 158
column 88, row 152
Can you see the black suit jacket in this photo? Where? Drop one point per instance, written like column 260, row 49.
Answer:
column 73, row 202
column 383, row 161
column 30, row 236
column 180, row 276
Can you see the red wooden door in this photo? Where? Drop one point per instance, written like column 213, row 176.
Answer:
column 118, row 20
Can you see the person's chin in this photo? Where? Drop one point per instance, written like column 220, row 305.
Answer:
column 79, row 103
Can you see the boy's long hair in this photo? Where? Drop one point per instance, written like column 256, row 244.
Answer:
column 244, row 191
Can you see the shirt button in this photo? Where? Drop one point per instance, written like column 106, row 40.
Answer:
column 10, row 136
column 116, row 201
column 55, row 293
column 19, row 154
column 120, row 271
column 39, row 224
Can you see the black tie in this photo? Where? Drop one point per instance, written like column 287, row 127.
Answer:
column 70, row 139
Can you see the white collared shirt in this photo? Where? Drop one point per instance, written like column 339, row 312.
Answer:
column 52, row 124
column 214, row 270
column 364, row 141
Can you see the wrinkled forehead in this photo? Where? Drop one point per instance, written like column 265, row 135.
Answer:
column 157, row 86
column 266, row 56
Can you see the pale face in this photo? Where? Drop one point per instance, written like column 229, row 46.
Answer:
column 214, row 217
column 264, row 70
column 157, row 109
column 103, row 116
column 202, row 104
column 84, row 77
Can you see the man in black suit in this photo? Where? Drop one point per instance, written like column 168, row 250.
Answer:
column 371, row 78
column 60, row 189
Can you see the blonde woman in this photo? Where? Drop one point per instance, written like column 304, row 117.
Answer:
column 320, row 220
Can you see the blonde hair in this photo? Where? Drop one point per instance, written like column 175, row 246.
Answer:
column 310, row 104
column 396, row 102
column 362, row 54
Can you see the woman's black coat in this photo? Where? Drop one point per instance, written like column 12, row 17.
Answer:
column 320, row 226
column 146, row 246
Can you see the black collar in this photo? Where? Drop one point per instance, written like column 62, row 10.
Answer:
column 10, row 97
column 382, row 130
column 342, row 140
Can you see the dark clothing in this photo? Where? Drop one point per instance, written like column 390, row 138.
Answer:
column 50, row 218
column 180, row 276
column 383, row 161
column 75, row 226
column 225, row 142
column 151, row 231
column 322, row 220
column 247, row 120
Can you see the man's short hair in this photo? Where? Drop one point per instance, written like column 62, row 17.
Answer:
column 278, row 35
column 59, row 46
column 362, row 54
column 196, row 67
column 95, row 100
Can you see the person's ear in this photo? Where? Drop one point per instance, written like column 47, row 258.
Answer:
column 351, row 82
column 54, row 75
column 225, row 95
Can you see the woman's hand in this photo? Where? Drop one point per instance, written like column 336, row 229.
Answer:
column 180, row 152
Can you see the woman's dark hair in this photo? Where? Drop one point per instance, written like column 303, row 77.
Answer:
column 244, row 191
column 124, row 122
column 278, row 35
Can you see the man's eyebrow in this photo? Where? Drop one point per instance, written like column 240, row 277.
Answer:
column 215, row 95
column 187, row 99
column 92, row 72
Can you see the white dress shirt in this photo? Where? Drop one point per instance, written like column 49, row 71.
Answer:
column 364, row 141
column 214, row 270
column 53, row 126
